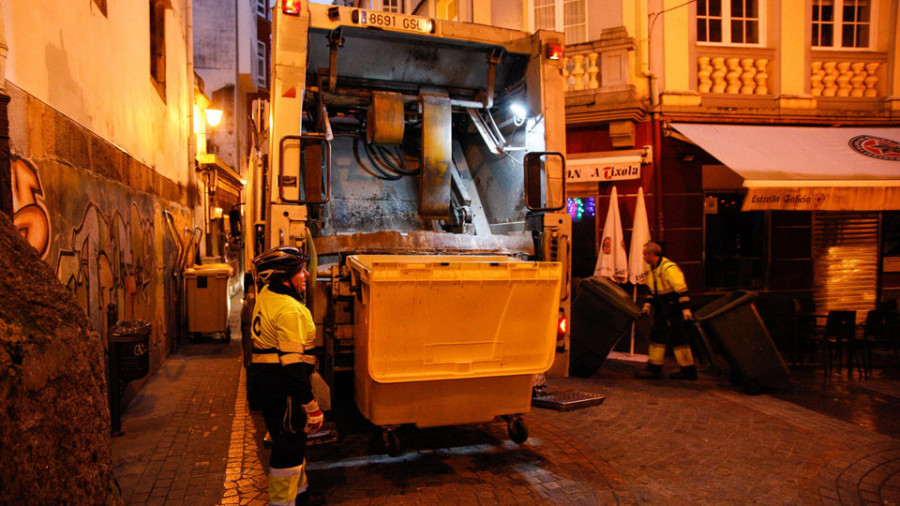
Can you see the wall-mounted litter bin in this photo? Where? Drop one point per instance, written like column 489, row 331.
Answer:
column 601, row 314
column 208, row 304
column 129, row 356
column 130, row 342
column 739, row 332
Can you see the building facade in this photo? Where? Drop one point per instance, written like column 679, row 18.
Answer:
column 766, row 122
column 99, row 164
column 231, row 55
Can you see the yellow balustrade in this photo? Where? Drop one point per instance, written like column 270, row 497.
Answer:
column 581, row 71
column 844, row 79
column 745, row 76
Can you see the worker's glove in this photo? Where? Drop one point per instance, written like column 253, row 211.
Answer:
column 687, row 314
column 646, row 309
column 314, row 417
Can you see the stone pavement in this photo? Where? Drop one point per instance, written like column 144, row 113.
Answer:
column 190, row 439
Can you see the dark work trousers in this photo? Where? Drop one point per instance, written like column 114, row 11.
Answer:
column 669, row 326
column 272, row 384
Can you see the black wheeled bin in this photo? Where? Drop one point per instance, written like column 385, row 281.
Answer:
column 739, row 333
column 601, row 314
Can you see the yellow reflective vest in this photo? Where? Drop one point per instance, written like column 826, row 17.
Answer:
column 283, row 323
column 666, row 281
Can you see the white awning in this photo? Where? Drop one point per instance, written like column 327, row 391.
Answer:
column 807, row 168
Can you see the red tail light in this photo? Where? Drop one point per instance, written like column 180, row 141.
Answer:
column 555, row 51
column 561, row 327
column 292, row 7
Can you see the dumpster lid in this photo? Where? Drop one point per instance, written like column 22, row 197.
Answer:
column 366, row 262
column 462, row 316
column 724, row 304
column 612, row 294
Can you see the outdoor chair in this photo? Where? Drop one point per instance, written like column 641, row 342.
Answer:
column 837, row 333
column 881, row 328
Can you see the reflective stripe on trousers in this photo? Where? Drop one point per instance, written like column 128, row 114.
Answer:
column 286, row 483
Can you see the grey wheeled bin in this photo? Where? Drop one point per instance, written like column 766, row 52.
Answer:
column 208, row 304
column 739, row 333
column 601, row 314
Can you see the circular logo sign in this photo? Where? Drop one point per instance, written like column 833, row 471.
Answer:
column 876, row 147
column 606, row 245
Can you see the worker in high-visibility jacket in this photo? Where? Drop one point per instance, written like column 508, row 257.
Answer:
column 283, row 333
column 672, row 314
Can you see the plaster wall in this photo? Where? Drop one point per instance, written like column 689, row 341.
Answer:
column 603, row 14
column 508, row 14
column 216, row 51
column 95, row 69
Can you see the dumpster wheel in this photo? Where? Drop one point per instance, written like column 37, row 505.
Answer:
column 391, row 441
column 516, row 429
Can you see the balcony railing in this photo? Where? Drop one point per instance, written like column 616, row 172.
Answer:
column 581, row 70
column 601, row 64
column 745, row 76
column 858, row 77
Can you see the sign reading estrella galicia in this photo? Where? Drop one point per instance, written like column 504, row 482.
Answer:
column 876, row 147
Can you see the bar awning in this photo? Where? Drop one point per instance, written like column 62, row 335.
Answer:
column 807, row 168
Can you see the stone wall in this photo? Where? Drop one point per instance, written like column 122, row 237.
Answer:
column 54, row 420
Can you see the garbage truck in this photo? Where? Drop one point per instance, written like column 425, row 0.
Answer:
column 418, row 162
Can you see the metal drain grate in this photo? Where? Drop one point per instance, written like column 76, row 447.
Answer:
column 567, row 400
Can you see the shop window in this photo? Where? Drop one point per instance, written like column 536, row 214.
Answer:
column 734, row 243
column 840, row 24
column 728, row 21
column 584, row 224
column 568, row 16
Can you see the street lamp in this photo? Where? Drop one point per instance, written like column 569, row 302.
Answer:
column 213, row 117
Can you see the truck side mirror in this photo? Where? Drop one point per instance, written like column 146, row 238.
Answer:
column 545, row 181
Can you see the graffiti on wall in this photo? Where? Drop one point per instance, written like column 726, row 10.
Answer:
column 110, row 261
column 104, row 257
column 29, row 212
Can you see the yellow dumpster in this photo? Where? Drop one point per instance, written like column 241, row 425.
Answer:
column 447, row 340
column 208, row 304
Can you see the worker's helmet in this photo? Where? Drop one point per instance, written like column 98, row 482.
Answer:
column 279, row 262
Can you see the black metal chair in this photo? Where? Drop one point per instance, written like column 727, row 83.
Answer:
column 881, row 328
column 838, row 333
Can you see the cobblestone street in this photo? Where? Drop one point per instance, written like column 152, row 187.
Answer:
column 191, row 439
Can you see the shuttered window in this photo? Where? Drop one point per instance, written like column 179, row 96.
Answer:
column 845, row 262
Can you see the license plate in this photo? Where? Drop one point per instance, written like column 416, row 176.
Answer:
column 391, row 21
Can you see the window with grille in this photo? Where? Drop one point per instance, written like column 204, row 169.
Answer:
column 728, row 21
column 841, row 23
column 568, row 16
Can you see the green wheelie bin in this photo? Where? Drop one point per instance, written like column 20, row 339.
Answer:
column 738, row 331
column 602, row 313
